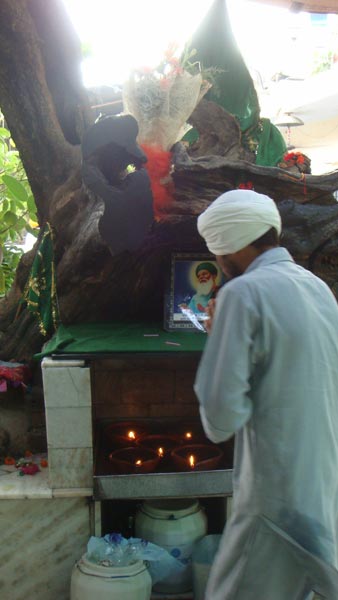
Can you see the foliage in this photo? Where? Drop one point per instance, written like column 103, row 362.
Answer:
column 17, row 209
column 11, row 255
column 323, row 61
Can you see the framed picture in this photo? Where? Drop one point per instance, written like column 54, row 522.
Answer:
column 194, row 280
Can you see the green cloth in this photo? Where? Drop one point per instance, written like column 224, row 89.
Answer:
column 270, row 143
column 120, row 337
column 40, row 290
column 216, row 47
column 234, row 89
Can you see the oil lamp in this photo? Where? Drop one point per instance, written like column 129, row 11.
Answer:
column 192, row 461
column 134, row 460
column 197, row 457
column 122, row 434
column 161, row 442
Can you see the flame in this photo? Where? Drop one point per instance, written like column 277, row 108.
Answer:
column 138, row 462
column 131, row 435
column 160, row 451
column 188, row 435
column 191, row 461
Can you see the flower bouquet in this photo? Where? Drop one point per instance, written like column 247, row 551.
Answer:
column 161, row 100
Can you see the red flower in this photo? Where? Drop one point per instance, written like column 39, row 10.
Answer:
column 29, row 469
column 246, row 186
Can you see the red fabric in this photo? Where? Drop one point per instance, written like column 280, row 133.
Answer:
column 162, row 187
column 15, row 373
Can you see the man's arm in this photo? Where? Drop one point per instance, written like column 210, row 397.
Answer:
column 222, row 382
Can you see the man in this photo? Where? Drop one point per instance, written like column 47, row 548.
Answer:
column 269, row 374
column 206, row 289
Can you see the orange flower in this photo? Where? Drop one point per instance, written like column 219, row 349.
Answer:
column 43, row 463
column 9, row 460
column 28, row 454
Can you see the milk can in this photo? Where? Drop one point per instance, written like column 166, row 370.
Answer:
column 175, row 525
column 91, row 581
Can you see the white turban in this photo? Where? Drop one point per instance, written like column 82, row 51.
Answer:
column 236, row 219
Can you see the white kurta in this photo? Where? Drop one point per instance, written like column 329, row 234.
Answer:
column 269, row 373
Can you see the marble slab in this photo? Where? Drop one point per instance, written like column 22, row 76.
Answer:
column 41, row 540
column 70, row 467
column 33, row 487
column 69, row 427
column 66, row 386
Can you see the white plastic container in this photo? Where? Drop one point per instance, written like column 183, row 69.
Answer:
column 95, row 582
column 202, row 559
column 175, row 525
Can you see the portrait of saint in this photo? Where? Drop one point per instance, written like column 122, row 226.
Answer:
column 194, row 283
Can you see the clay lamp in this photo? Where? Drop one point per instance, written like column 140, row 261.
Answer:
column 162, row 443
column 192, row 433
column 134, row 459
column 122, row 434
column 196, row 457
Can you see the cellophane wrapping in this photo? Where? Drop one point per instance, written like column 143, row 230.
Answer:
column 161, row 104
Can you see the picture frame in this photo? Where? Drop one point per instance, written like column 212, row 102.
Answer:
column 194, row 280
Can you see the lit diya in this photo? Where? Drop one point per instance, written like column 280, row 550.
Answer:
column 123, row 433
column 196, row 457
column 161, row 442
column 134, row 460
column 191, row 433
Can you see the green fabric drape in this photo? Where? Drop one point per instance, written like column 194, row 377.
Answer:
column 234, row 89
column 268, row 142
column 217, row 47
column 96, row 338
column 40, row 290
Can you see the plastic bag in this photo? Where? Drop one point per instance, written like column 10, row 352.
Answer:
column 115, row 550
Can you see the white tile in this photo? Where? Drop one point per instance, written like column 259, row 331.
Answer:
column 69, row 427
column 15, row 487
column 51, row 363
column 70, row 468
column 66, row 386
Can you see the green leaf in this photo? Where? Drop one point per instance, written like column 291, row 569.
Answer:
column 21, row 224
column 4, row 132
column 10, row 218
column 31, row 205
column 16, row 204
column 15, row 187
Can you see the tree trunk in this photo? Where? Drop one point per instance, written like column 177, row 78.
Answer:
column 46, row 110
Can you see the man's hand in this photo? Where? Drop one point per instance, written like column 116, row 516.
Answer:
column 210, row 310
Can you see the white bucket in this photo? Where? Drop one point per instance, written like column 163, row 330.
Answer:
column 175, row 525
column 202, row 559
column 95, row 582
